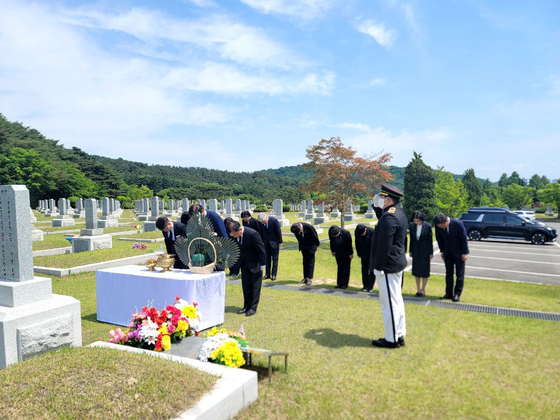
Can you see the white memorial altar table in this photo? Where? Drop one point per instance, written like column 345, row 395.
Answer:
column 124, row 290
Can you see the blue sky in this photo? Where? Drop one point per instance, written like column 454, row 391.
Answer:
column 250, row 84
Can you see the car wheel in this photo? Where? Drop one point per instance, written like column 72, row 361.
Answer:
column 475, row 235
column 538, row 238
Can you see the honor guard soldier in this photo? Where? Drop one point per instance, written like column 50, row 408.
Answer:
column 388, row 254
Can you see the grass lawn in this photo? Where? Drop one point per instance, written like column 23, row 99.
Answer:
column 95, row 383
column 121, row 249
column 51, row 242
column 455, row 364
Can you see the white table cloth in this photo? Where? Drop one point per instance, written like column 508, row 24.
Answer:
column 124, row 290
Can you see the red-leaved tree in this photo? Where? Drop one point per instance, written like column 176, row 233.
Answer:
column 340, row 175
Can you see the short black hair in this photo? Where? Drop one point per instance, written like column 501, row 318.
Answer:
column 161, row 222
column 334, row 231
column 440, row 219
column 185, row 217
column 360, row 229
column 418, row 215
column 234, row 226
column 226, row 223
column 195, row 209
column 295, row 228
column 245, row 213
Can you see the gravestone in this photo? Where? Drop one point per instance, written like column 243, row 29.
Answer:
column 369, row 214
column 106, row 219
column 278, row 212
column 185, row 204
column 171, row 211
column 213, row 205
column 349, row 215
column 63, row 218
column 549, row 211
column 32, row 320
column 310, row 213
column 228, row 209
column 237, row 207
column 79, row 213
column 302, row 209
column 36, row 234
column 150, row 224
column 335, row 213
column 145, row 210
column 321, row 216
column 52, row 210
column 91, row 238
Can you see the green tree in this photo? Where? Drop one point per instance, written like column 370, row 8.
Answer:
column 491, row 195
column 536, row 182
column 26, row 167
column 70, row 181
column 544, row 181
column 450, row 194
column 516, row 179
column 473, row 188
column 551, row 195
column 138, row 193
column 419, row 188
column 504, row 181
column 516, row 197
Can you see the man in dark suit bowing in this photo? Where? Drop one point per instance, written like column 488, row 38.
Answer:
column 451, row 237
column 364, row 236
column 171, row 230
column 308, row 241
column 214, row 217
column 271, row 235
column 253, row 259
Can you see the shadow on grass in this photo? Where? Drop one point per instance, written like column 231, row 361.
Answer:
column 233, row 309
column 329, row 338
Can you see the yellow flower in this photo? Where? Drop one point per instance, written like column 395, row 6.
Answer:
column 166, row 342
column 163, row 329
column 182, row 325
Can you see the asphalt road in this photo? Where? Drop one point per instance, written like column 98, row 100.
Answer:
column 510, row 260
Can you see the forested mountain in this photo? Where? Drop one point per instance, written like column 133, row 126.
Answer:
column 51, row 171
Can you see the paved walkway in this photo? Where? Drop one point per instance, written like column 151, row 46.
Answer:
column 469, row 307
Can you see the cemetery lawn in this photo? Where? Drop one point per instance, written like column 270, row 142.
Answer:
column 51, row 242
column 88, row 383
column 121, row 249
column 455, row 364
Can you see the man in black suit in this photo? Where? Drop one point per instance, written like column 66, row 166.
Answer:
column 308, row 241
column 171, row 230
column 253, row 259
column 214, row 217
column 451, row 237
column 364, row 236
column 271, row 235
column 341, row 249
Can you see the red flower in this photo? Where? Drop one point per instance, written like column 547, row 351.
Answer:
column 177, row 297
column 195, row 304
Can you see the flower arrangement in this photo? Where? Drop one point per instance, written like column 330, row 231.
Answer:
column 136, row 245
column 156, row 330
column 224, row 347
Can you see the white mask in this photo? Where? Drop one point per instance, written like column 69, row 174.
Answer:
column 378, row 201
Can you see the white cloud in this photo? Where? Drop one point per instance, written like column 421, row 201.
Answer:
column 303, row 9
column 378, row 82
column 384, row 37
column 203, row 3
column 216, row 34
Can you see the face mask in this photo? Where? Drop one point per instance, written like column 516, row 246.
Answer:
column 378, row 201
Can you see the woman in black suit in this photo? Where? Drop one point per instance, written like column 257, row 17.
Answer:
column 249, row 220
column 421, row 250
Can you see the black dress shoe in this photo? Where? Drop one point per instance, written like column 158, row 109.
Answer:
column 456, row 298
column 303, row 281
column 337, row 287
column 250, row 312
column 401, row 342
column 266, row 277
column 273, row 278
column 386, row 344
column 418, row 294
column 446, row 297
column 344, row 287
column 242, row 311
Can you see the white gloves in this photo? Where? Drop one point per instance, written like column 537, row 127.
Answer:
column 378, row 201
column 263, row 267
column 378, row 272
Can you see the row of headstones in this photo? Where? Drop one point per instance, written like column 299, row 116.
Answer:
column 306, row 210
column 110, row 211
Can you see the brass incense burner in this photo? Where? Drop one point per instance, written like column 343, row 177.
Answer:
column 151, row 264
column 166, row 261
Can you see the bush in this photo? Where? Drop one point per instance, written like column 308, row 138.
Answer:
column 540, row 210
column 363, row 209
column 261, row 208
column 285, row 208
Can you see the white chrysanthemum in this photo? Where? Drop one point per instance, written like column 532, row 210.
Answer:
column 211, row 345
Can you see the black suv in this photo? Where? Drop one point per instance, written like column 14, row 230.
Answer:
column 495, row 222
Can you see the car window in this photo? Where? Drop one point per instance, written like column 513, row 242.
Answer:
column 493, row 218
column 514, row 220
column 469, row 216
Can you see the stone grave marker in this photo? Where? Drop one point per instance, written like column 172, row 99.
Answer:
column 91, row 238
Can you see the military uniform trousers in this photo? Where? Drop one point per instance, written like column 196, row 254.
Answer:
column 392, row 304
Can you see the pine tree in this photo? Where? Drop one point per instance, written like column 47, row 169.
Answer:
column 474, row 190
column 419, row 188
